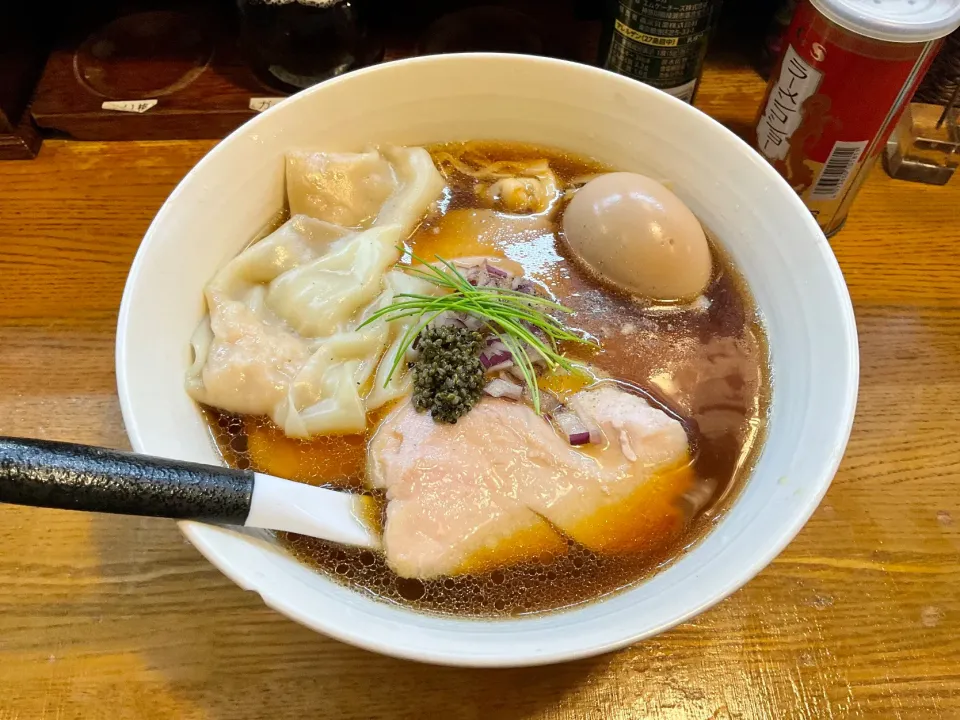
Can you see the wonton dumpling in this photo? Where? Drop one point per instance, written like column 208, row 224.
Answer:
column 532, row 191
column 282, row 336
column 401, row 382
column 325, row 398
column 319, row 297
column 419, row 185
column 243, row 362
column 359, row 190
column 521, row 195
column 333, row 392
column 342, row 188
column 297, row 241
column 244, row 356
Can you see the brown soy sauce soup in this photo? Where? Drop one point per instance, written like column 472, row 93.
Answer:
column 705, row 364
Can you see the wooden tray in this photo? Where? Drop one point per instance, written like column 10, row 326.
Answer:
column 186, row 77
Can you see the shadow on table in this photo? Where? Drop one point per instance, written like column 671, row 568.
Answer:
column 207, row 649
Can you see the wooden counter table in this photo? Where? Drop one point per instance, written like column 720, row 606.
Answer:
column 115, row 618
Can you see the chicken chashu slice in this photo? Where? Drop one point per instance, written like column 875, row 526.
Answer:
column 501, row 486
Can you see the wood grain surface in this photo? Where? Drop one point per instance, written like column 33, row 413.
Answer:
column 109, row 617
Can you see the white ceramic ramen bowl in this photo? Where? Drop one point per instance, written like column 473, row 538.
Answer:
column 771, row 237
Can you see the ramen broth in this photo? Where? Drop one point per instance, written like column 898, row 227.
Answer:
column 705, row 365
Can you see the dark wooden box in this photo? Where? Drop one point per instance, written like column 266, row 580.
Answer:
column 23, row 47
column 186, row 58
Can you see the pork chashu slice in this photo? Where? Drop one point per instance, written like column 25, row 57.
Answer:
column 501, row 486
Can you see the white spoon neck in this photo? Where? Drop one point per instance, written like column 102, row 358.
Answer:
column 279, row 504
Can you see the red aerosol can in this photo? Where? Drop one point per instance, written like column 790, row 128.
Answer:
column 846, row 72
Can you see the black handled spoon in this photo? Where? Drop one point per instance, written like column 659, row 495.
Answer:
column 80, row 477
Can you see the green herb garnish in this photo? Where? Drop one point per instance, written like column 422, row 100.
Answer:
column 511, row 315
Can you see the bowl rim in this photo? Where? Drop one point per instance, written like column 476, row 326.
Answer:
column 201, row 536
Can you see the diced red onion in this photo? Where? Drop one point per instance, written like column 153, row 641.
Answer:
column 447, row 319
column 516, row 372
column 523, row 285
column 535, row 356
column 596, row 434
column 498, row 387
column 699, row 495
column 572, row 426
column 469, row 321
column 495, row 271
column 495, row 356
column 479, row 272
column 497, row 363
column 548, row 402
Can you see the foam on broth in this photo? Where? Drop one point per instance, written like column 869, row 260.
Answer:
column 707, row 366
